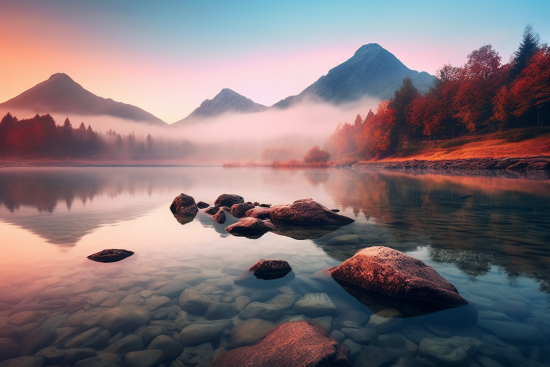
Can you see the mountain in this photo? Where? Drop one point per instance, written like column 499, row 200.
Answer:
column 372, row 71
column 62, row 94
column 225, row 101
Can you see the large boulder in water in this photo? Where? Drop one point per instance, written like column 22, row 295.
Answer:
column 306, row 212
column 184, row 205
column 250, row 228
column 110, row 255
column 299, row 343
column 389, row 277
column 239, row 210
column 228, row 200
column 260, row 213
column 270, row 269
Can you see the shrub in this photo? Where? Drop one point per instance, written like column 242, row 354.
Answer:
column 316, row 155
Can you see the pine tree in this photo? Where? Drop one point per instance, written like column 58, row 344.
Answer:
column 529, row 45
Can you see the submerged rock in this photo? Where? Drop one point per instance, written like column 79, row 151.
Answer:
column 23, row 362
column 455, row 351
column 125, row 318
column 250, row 331
column 300, row 343
column 250, row 228
column 315, row 305
column 306, row 212
column 228, row 200
column 110, row 255
column 219, row 217
column 239, row 210
column 144, row 358
column 260, row 213
column 204, row 332
column 202, row 205
column 212, row 210
column 184, row 205
column 382, row 278
column 270, row 269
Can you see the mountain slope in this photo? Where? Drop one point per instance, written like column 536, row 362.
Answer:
column 225, row 101
column 372, row 71
column 62, row 94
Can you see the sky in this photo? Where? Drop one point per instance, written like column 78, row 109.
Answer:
column 167, row 57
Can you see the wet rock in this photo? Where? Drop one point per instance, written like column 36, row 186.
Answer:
column 453, row 351
column 149, row 333
column 73, row 355
column 413, row 362
column 487, row 362
column 250, row 331
column 219, row 217
column 265, row 205
column 144, row 358
column 110, row 255
column 338, row 335
column 40, row 337
column 374, row 357
column 353, row 347
column 248, row 279
column 154, row 302
column 241, row 302
column 306, row 212
column 325, row 322
column 130, row 343
column 351, row 319
column 381, row 277
column 315, row 305
column 23, row 362
column 62, row 333
column 203, row 332
column 347, row 239
column 217, row 311
column 8, row 349
column 260, row 213
column 212, row 210
column 125, row 318
column 416, row 333
column 192, row 301
column 95, row 362
column 93, row 338
column 361, row 335
column 270, row 269
column 22, row 318
column 228, row 200
column 133, row 299
column 52, row 355
column 184, row 205
column 250, row 228
column 176, row 286
column 171, row 348
column 272, row 310
column 202, row 205
column 513, row 332
column 514, row 309
column 385, row 321
column 299, row 343
column 239, row 210
column 398, row 345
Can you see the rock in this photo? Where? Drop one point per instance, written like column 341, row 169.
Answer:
column 192, row 301
column 361, row 335
column 239, row 210
column 73, row 355
column 454, row 351
column 514, row 309
column 40, row 337
column 52, row 355
column 325, row 322
column 144, row 358
column 306, row 212
column 217, row 311
column 413, row 362
column 398, row 345
column 381, row 277
column 202, row 205
column 125, row 318
column 23, row 362
column 353, row 347
column 93, row 338
column 171, row 348
column 184, row 205
column 513, row 332
column 260, row 213
column 265, row 205
column 346, row 239
column 250, row 228
column 130, row 343
column 300, row 343
column 149, row 333
column 315, row 305
column 241, row 302
column 133, row 299
column 487, row 362
column 249, row 332
column 8, row 349
column 372, row 356
column 338, row 335
column 228, row 200
column 272, row 310
column 95, row 362
column 203, row 332
column 22, row 318
column 110, row 255
column 385, row 321
column 219, row 217
column 248, row 279
column 212, row 210
column 270, row 269
column 155, row 302
column 351, row 319
column 85, row 319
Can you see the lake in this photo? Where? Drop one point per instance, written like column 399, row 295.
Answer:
column 488, row 236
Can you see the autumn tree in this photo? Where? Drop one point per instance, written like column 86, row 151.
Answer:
column 401, row 104
column 316, row 155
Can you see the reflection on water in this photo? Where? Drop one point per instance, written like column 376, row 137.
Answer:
column 488, row 236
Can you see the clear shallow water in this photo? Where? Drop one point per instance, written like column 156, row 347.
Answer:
column 488, row 236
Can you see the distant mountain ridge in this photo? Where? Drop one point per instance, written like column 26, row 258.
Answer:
column 60, row 93
column 225, row 101
column 372, row 71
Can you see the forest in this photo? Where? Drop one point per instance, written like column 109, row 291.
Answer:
column 482, row 96
column 40, row 137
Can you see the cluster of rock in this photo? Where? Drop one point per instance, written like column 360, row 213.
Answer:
column 525, row 164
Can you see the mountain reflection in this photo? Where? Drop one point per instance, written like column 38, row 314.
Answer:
column 471, row 222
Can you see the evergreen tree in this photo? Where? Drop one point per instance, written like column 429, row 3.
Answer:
column 527, row 48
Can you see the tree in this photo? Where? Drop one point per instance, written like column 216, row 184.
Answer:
column 503, row 107
column 316, row 155
column 400, row 104
column 528, row 46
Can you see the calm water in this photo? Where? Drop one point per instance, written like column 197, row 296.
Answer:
column 490, row 237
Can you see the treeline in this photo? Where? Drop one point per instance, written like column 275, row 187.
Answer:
column 40, row 137
column 482, row 96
